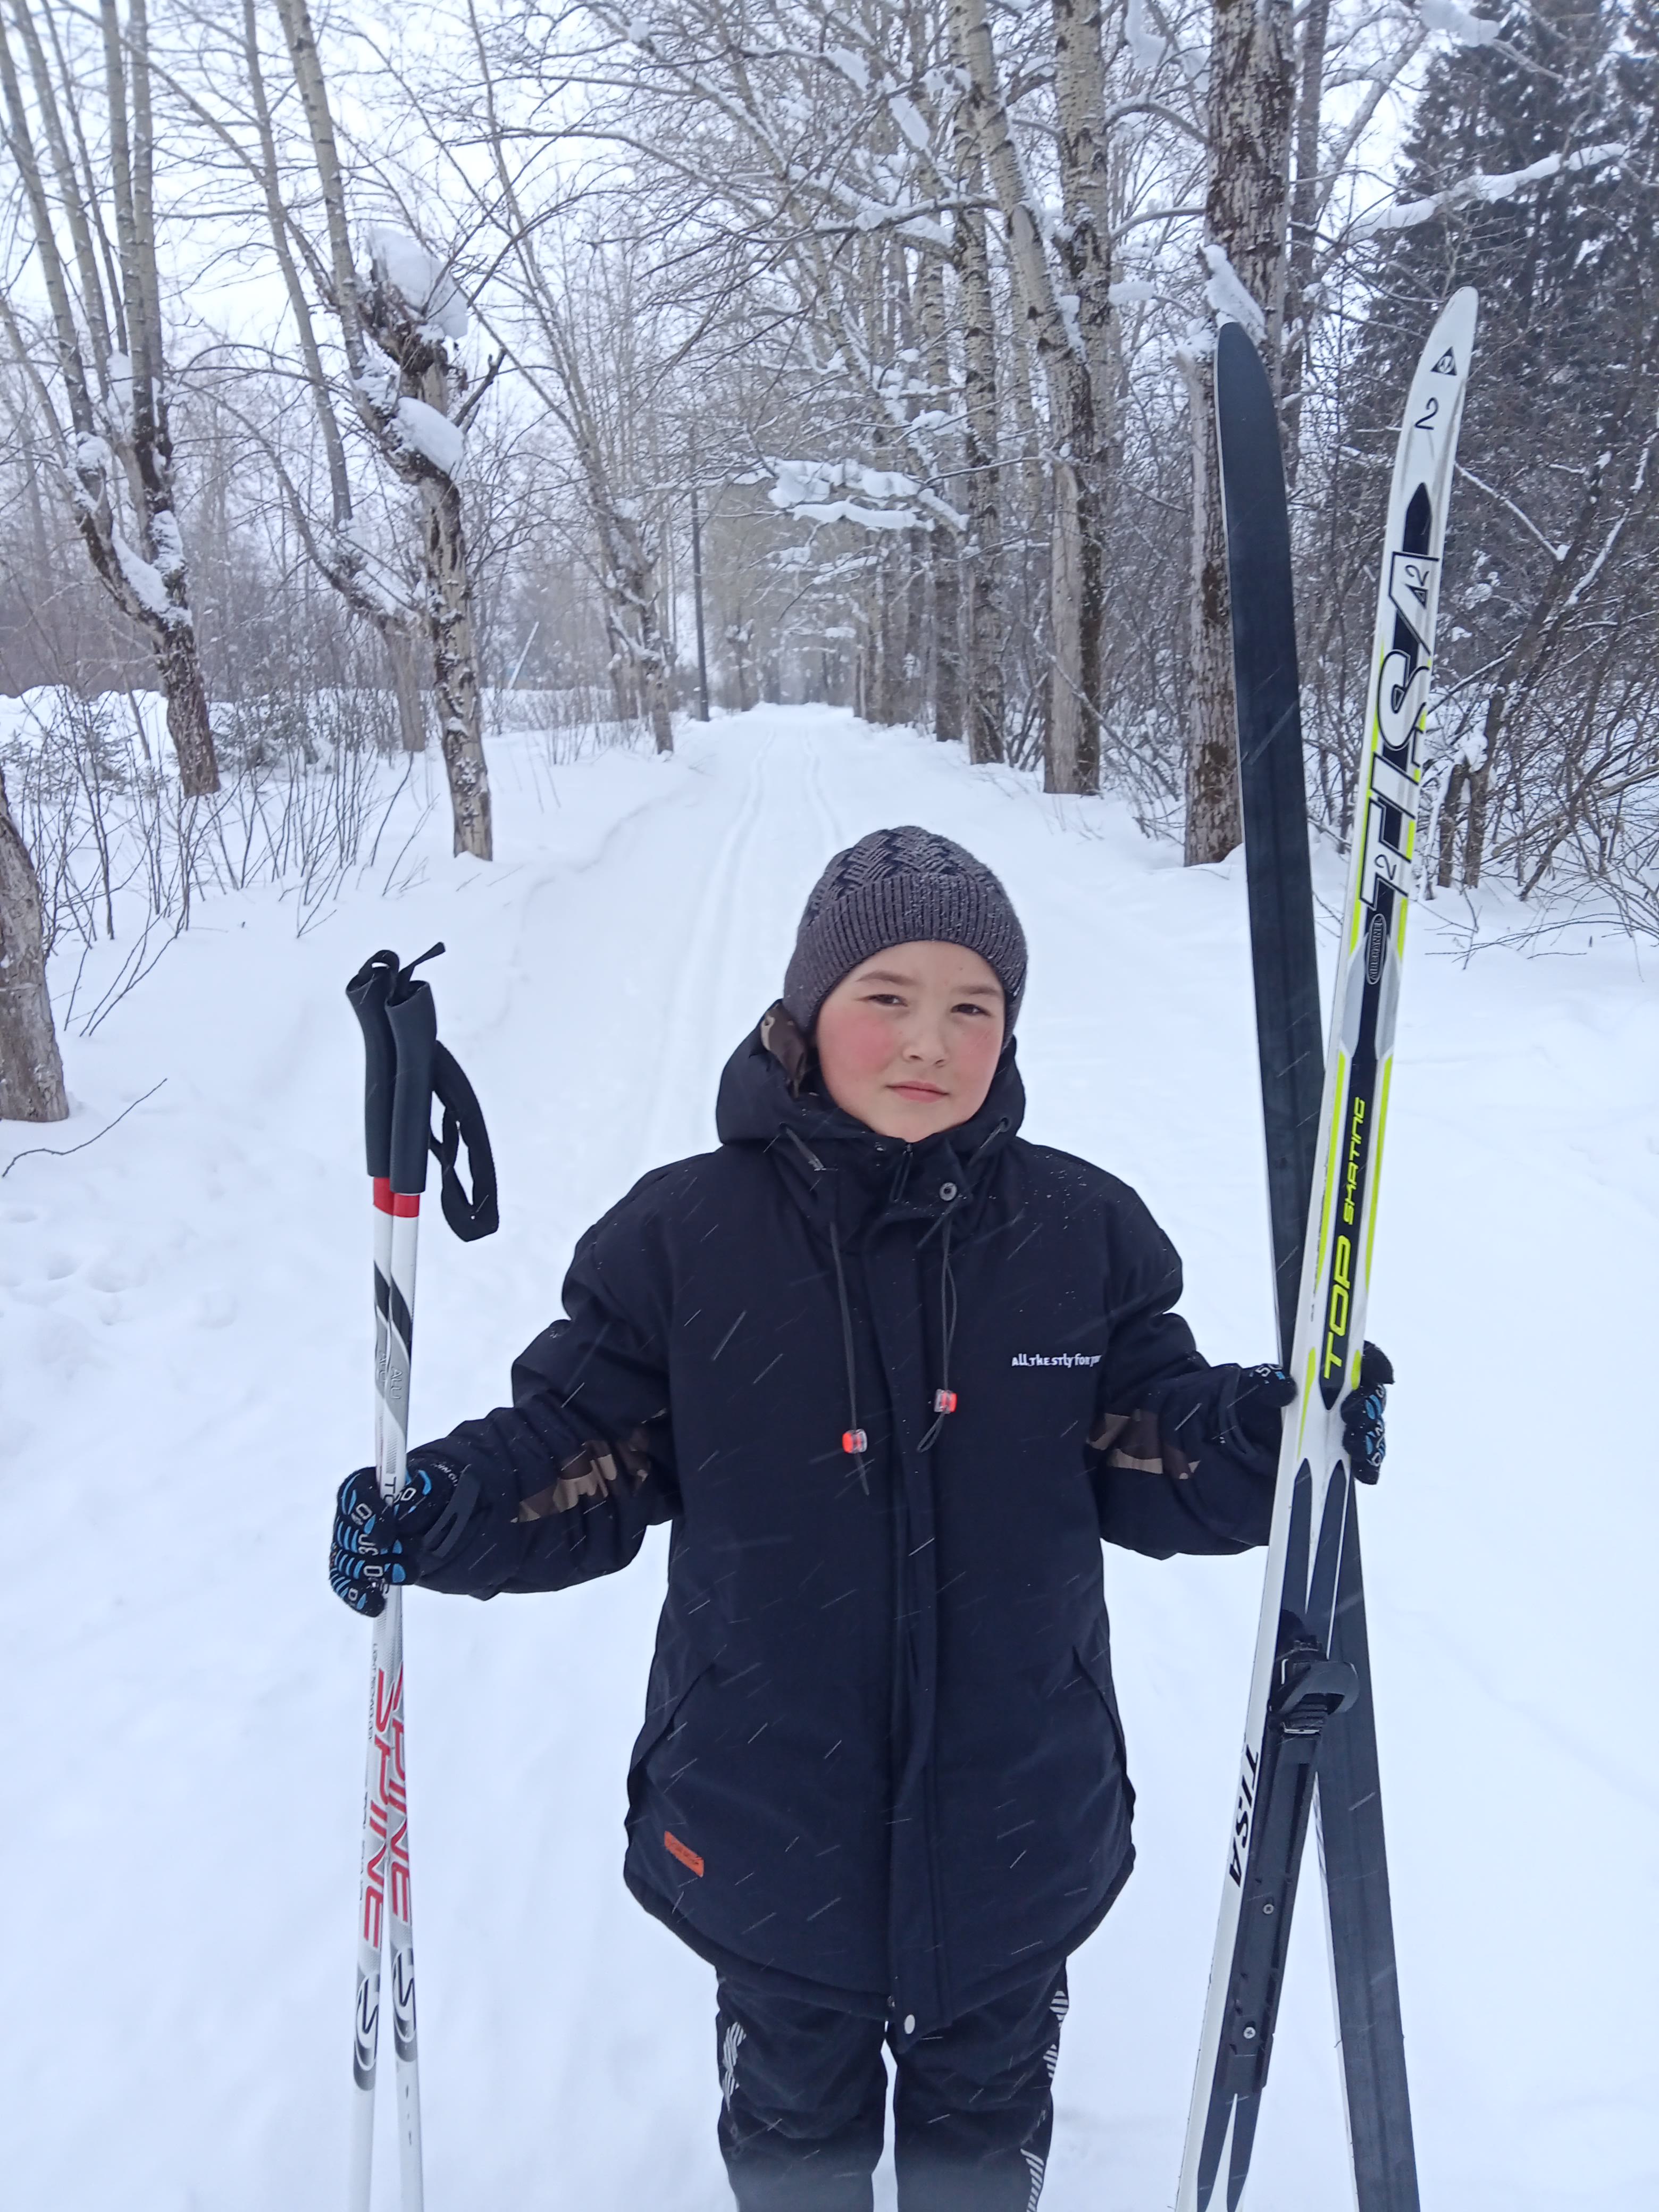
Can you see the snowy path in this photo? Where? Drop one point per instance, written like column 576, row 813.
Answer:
column 185, row 1375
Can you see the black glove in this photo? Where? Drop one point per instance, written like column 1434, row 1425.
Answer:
column 1363, row 1436
column 1254, row 1414
column 376, row 1546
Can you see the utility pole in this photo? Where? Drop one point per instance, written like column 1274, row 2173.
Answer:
column 696, row 593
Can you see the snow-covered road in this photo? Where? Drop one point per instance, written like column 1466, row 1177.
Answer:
column 185, row 1374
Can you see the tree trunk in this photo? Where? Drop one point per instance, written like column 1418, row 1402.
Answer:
column 1475, row 837
column 947, row 639
column 890, row 669
column 987, row 735
column 1450, row 807
column 916, row 608
column 1064, row 753
column 1071, row 741
column 31, row 1071
column 738, row 637
column 1249, row 128
column 654, row 673
column 1304, row 228
column 180, row 672
column 454, row 671
column 1084, row 244
column 1214, row 824
column 406, row 687
column 942, row 549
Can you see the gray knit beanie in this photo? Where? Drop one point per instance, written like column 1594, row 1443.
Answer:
column 902, row 886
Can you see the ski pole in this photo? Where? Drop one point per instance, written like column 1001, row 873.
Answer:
column 404, row 1067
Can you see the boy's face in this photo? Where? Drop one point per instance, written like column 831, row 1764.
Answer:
column 908, row 1043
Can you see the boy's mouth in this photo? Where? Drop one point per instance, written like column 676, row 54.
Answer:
column 918, row 1091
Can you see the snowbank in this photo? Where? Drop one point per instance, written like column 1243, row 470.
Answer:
column 184, row 1311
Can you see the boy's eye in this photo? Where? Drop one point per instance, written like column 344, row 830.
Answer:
column 967, row 1006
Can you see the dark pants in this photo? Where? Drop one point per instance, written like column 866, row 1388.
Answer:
column 804, row 2103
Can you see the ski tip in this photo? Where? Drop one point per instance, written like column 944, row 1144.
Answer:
column 1446, row 349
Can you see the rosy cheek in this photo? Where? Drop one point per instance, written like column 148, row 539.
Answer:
column 866, row 1041
column 979, row 1049
column 856, row 1044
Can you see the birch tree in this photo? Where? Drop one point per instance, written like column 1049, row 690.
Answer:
column 31, row 1071
column 98, row 372
column 1249, row 112
column 1059, row 324
column 401, row 329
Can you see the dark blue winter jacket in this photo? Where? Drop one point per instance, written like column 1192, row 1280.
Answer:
column 881, row 1755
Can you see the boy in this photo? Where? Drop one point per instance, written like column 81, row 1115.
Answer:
column 892, row 1372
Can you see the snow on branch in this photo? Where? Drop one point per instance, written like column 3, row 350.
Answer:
column 853, row 66
column 433, row 435
column 1407, row 214
column 147, row 580
column 1146, row 46
column 1229, row 295
column 404, row 265
column 1457, row 22
column 807, row 489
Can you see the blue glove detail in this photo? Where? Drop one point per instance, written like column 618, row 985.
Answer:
column 1365, row 1436
column 1255, row 1414
column 375, row 1546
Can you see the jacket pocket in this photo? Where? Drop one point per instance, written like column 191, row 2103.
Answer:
column 670, row 1693
column 1094, row 1663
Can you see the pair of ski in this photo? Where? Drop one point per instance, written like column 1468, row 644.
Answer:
column 1310, row 1732
column 405, row 1069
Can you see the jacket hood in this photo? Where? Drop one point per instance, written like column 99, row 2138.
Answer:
column 769, row 1090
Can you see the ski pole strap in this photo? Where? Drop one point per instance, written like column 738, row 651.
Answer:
column 478, row 1213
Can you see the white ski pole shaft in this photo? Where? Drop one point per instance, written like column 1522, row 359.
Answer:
column 390, row 1737
column 370, row 1873
column 383, row 1919
column 398, row 1107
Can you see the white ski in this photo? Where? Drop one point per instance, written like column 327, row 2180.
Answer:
column 1296, row 1686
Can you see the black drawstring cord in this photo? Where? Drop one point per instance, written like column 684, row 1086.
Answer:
column 944, row 1398
column 854, row 1440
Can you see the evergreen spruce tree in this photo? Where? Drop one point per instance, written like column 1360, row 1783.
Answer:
column 1549, row 675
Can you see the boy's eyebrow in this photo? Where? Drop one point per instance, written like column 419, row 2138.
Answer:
column 894, row 975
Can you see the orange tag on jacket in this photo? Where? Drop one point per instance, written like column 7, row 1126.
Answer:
column 683, row 1852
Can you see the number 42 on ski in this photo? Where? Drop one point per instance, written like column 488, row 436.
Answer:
column 1311, row 1665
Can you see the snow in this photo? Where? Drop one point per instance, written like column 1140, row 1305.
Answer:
column 1230, row 297
column 186, row 1312
column 401, row 261
column 93, row 455
column 433, row 435
column 1405, row 215
column 1147, row 48
column 853, row 66
column 908, row 116
column 147, row 582
column 802, row 488
column 1457, row 22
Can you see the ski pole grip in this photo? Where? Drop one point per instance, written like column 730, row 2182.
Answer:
column 413, row 1018
column 367, row 992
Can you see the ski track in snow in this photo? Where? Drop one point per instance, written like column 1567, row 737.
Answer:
column 186, row 1374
